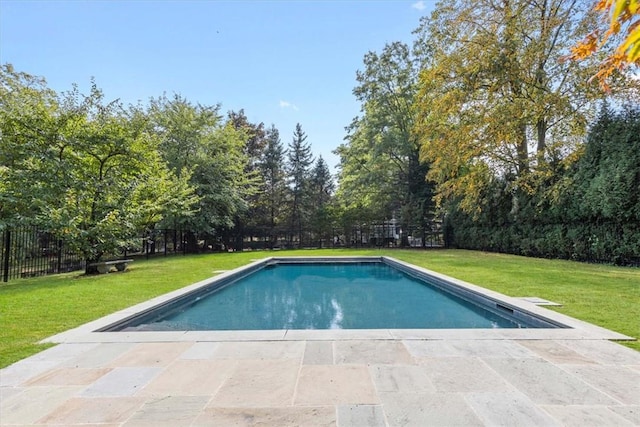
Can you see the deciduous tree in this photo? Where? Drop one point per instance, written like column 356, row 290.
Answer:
column 495, row 99
column 196, row 142
column 381, row 175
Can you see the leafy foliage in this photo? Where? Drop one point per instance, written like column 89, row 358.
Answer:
column 84, row 169
column 495, row 100
column 618, row 33
column 381, row 175
column 198, row 145
column 589, row 210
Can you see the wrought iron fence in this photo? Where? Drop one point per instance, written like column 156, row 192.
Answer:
column 28, row 252
column 370, row 235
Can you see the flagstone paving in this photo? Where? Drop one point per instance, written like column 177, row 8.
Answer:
column 346, row 382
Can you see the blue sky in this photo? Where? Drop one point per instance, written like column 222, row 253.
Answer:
column 284, row 62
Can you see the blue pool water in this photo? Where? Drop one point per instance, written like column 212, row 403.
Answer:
column 324, row 296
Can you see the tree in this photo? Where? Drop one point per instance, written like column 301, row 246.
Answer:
column 81, row 168
column 31, row 122
column 299, row 160
column 114, row 182
column 196, row 142
column 495, row 100
column 255, row 142
column 618, row 33
column 255, row 138
column 321, row 189
column 381, row 175
column 607, row 175
column 589, row 210
column 273, row 174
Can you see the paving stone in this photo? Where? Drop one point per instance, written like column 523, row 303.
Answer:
column 335, row 385
column 428, row 409
column 9, row 392
column 546, row 383
column 555, row 352
column 24, row 371
column 603, row 351
column 190, row 378
column 361, row 415
column 121, row 382
column 34, row 403
column 401, row 378
column 318, row 353
column 617, row 381
column 491, row 348
column 257, row 350
column 337, row 334
column 586, row 416
column 508, row 409
column 628, row 412
column 169, row 411
column 371, row 351
column 63, row 352
column 231, row 336
column 266, row 417
column 151, row 354
column 40, row 363
column 259, row 383
column 94, row 410
column 462, row 374
column 200, row 350
column 99, row 356
column 69, row 376
column 436, row 348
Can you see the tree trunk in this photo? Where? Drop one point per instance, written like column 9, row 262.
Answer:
column 541, row 127
column 522, row 151
column 191, row 242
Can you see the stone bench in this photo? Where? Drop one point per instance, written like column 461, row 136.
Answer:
column 104, row 267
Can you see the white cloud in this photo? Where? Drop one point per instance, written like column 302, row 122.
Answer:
column 419, row 5
column 287, row 104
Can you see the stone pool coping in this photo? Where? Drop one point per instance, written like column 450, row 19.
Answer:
column 574, row 329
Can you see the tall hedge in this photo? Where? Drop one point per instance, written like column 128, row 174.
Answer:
column 589, row 211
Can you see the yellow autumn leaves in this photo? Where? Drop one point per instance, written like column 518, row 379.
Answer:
column 621, row 19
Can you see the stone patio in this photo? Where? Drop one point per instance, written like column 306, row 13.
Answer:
column 317, row 382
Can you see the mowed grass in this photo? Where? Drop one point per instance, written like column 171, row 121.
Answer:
column 33, row 309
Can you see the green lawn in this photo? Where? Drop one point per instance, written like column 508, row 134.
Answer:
column 33, row 309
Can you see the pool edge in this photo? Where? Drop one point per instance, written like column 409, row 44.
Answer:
column 575, row 329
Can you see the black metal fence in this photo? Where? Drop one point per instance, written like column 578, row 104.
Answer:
column 370, row 235
column 29, row 252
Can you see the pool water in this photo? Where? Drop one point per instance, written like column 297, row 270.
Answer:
column 369, row 295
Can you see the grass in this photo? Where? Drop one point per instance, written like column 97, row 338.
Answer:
column 33, row 309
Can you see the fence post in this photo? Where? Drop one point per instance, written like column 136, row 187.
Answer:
column 7, row 252
column 59, row 263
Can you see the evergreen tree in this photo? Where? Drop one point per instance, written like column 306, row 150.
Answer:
column 321, row 191
column 299, row 160
column 273, row 172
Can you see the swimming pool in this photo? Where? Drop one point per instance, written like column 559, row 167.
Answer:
column 330, row 293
